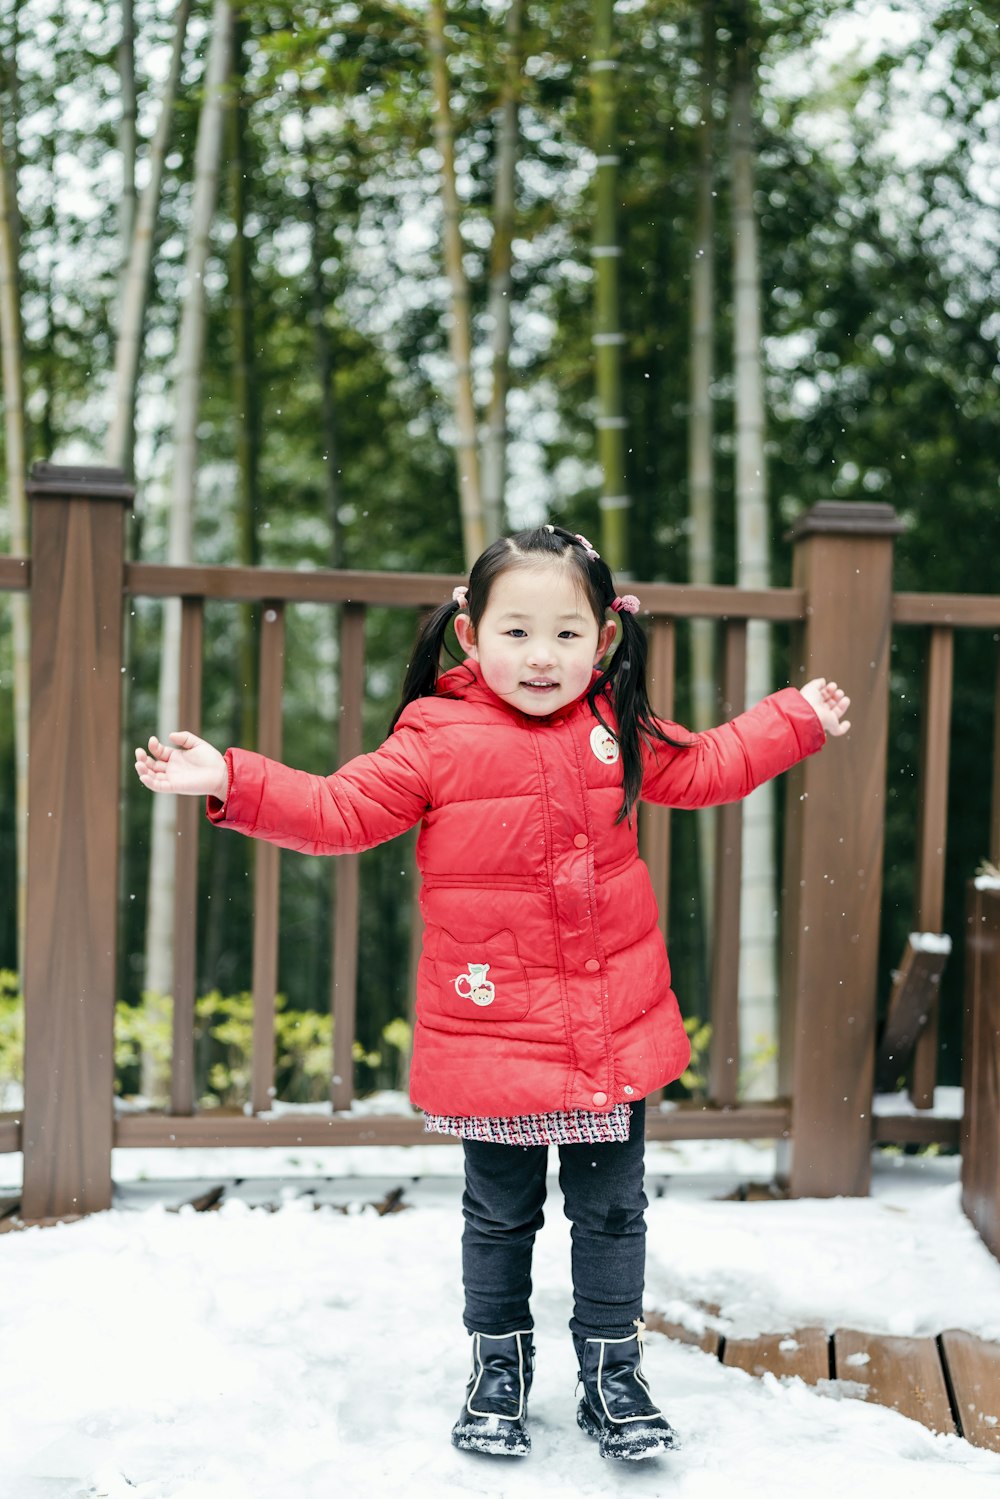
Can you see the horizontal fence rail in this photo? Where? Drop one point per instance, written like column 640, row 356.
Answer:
column 427, row 590
column 843, row 572
column 15, row 574
column 970, row 610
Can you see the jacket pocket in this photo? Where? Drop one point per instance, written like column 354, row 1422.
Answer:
column 479, row 979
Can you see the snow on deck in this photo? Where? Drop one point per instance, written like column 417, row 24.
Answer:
column 292, row 1354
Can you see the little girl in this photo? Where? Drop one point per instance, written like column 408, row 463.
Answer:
column 544, row 1008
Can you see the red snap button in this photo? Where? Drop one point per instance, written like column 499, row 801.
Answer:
column 581, row 840
column 600, row 1098
column 592, row 965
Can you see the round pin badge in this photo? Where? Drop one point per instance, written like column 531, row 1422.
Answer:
column 604, row 745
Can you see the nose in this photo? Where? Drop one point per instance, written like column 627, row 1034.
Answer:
column 541, row 653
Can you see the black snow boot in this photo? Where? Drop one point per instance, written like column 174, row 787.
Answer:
column 494, row 1417
column 617, row 1407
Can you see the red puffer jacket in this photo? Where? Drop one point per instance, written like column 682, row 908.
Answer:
column 544, row 982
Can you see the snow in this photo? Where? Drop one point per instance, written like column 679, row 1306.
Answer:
column 255, row 1354
column 949, row 1103
column 930, row 942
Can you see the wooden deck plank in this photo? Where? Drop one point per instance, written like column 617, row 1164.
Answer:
column 804, row 1354
column 902, row 1373
column 707, row 1341
column 17, row 1225
column 974, row 1371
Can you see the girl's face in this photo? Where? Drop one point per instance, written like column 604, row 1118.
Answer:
column 538, row 641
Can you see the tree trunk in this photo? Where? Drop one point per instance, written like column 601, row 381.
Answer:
column 191, row 337
column 608, row 337
column 701, row 474
column 501, row 280
column 11, row 338
column 758, row 922
column 118, row 449
column 460, row 322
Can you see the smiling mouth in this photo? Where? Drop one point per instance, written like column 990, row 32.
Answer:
column 540, row 684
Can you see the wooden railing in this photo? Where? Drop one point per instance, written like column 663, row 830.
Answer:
column 840, row 611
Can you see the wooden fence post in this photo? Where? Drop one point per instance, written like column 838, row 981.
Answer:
column 981, row 1063
column 77, row 561
column 833, row 852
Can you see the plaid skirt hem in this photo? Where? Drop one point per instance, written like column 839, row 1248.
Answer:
column 570, row 1127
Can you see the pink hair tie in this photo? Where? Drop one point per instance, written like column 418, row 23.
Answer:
column 591, row 552
column 627, row 604
column 460, row 596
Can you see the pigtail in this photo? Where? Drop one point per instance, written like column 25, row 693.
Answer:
column 422, row 672
column 623, row 681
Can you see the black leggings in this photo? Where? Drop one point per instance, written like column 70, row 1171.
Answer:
column 604, row 1200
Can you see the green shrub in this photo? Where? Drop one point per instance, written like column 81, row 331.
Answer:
column 223, row 1045
column 694, row 1078
column 11, row 1033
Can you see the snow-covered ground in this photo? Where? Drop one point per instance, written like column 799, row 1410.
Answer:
column 245, row 1354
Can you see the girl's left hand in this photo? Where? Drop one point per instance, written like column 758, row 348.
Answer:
column 830, row 703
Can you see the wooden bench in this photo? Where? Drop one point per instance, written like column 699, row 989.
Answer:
column 911, row 1004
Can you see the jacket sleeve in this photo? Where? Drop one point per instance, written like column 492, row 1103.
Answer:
column 369, row 800
column 727, row 763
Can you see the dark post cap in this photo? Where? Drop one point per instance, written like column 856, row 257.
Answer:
column 846, row 517
column 69, row 481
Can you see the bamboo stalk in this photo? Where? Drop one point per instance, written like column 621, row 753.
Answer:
column 501, row 280
column 15, row 446
column 608, row 338
column 460, row 320
column 208, row 152
column 701, row 473
column 247, row 442
column 326, row 368
column 127, row 141
column 118, row 447
column 758, row 932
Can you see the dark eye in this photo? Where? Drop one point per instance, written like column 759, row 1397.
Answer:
column 517, row 633
column 568, row 635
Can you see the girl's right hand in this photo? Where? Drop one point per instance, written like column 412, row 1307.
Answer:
column 830, row 703
column 187, row 766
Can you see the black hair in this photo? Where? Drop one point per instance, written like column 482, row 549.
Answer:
column 622, row 680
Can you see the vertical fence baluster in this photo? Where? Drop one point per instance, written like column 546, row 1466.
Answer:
column 189, row 814
column 724, row 1066
column 345, row 934
column 267, row 864
column 932, row 834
